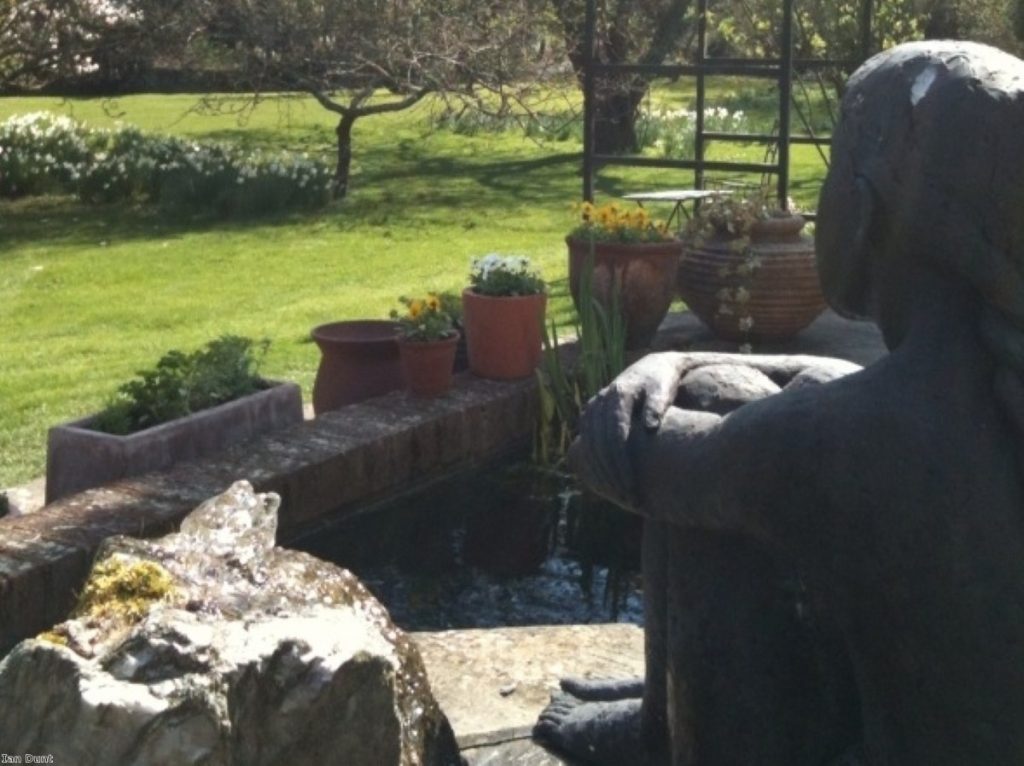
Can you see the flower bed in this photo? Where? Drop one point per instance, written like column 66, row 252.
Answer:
column 43, row 153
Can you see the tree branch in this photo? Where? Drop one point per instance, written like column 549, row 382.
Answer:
column 391, row 106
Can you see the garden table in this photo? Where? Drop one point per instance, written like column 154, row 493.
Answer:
column 679, row 196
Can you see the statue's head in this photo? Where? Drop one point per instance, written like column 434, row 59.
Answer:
column 927, row 170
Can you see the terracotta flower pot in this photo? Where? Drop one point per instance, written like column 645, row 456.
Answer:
column 358, row 360
column 764, row 287
column 503, row 334
column 427, row 365
column 645, row 273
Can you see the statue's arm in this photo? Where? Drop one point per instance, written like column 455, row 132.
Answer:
column 687, row 471
column 639, row 451
column 743, row 472
column 639, row 397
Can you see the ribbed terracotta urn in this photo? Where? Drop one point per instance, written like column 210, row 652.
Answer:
column 645, row 273
column 755, row 288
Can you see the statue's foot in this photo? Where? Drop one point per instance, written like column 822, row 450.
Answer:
column 604, row 689
column 596, row 732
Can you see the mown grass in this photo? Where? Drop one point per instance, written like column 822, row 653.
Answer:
column 90, row 294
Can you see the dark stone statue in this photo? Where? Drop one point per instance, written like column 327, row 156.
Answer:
column 834, row 573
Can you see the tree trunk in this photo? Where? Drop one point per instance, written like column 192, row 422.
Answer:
column 341, row 171
column 615, row 113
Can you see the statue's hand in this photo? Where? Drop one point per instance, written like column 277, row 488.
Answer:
column 642, row 395
column 639, row 397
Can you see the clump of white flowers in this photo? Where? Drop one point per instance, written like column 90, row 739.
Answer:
column 672, row 131
column 504, row 275
column 43, row 153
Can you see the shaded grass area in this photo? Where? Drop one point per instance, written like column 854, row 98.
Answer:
column 90, row 294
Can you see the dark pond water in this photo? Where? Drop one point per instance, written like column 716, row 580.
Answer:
column 505, row 545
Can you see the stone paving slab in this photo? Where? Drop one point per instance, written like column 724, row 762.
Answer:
column 493, row 683
column 514, row 752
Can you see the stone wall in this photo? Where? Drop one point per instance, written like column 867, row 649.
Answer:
column 322, row 468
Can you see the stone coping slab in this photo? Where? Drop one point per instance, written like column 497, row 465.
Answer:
column 493, row 683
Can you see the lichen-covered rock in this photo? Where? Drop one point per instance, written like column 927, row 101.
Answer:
column 212, row 646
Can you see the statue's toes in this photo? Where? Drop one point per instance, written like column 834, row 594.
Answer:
column 597, row 732
column 560, row 705
column 554, row 717
column 546, row 728
column 603, row 690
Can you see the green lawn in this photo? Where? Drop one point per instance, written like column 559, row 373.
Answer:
column 90, row 294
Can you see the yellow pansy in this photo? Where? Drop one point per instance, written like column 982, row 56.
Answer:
column 612, row 222
column 415, row 308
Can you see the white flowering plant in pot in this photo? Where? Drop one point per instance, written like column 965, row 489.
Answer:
column 503, row 315
column 504, row 275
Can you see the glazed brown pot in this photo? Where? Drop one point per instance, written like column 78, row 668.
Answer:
column 645, row 273
column 764, row 287
column 503, row 334
column 427, row 365
column 358, row 360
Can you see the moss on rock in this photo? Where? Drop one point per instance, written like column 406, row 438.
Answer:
column 124, row 589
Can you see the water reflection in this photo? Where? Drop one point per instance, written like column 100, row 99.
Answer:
column 510, row 545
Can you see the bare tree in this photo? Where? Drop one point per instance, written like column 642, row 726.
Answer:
column 360, row 58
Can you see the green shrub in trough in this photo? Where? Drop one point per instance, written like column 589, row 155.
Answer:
column 180, row 384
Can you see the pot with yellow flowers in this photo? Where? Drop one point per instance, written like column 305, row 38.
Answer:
column 427, row 340
column 632, row 254
column 503, row 315
column 748, row 272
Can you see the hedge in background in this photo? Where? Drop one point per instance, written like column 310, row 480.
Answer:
column 43, row 153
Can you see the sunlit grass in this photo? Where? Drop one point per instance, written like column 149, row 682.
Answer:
column 89, row 294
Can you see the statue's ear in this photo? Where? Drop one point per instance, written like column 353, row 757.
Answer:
column 864, row 209
column 852, row 296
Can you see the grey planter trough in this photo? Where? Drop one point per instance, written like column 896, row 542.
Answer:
column 79, row 458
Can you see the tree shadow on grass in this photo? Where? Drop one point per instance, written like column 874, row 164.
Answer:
column 406, row 186
column 468, row 185
column 65, row 220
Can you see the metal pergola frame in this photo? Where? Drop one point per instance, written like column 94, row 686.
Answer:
column 781, row 70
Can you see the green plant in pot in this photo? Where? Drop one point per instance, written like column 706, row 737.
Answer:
column 747, row 270
column 181, row 383
column 625, row 247
column 427, row 342
column 503, row 315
